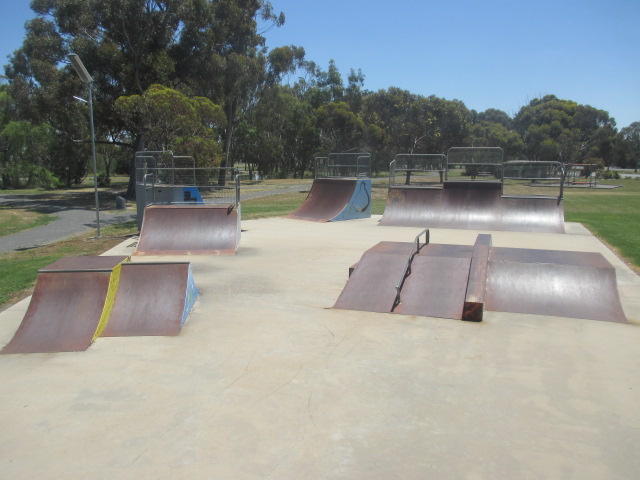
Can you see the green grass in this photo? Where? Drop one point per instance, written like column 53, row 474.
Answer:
column 612, row 215
column 19, row 270
column 14, row 220
column 272, row 206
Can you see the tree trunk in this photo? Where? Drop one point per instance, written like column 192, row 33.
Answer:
column 222, row 176
column 131, row 188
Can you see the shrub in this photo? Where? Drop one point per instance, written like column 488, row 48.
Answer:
column 104, row 180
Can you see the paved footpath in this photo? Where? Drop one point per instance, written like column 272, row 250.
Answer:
column 71, row 221
column 75, row 220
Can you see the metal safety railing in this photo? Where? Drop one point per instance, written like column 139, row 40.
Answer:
column 205, row 188
column 478, row 163
column 343, row 165
column 417, row 169
column 165, row 178
column 482, row 164
column 415, row 249
column 534, row 174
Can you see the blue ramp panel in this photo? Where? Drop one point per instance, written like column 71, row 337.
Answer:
column 336, row 199
column 359, row 205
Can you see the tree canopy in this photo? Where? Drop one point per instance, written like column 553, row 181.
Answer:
column 195, row 76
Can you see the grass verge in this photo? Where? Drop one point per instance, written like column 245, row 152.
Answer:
column 16, row 220
column 19, row 270
column 611, row 215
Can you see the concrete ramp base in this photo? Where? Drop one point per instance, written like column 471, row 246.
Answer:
column 336, row 199
column 461, row 282
column 151, row 299
column 471, row 205
column 189, row 230
column 67, row 305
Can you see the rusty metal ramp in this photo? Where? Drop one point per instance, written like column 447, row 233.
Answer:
column 189, row 230
column 462, row 282
column 437, row 284
column 474, row 205
column 153, row 298
column 557, row 283
column 67, row 306
column 335, row 199
column 371, row 285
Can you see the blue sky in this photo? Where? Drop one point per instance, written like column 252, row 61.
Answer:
column 486, row 53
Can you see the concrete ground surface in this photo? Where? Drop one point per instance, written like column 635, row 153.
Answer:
column 266, row 380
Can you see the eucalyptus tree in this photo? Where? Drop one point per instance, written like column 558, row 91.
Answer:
column 170, row 120
column 556, row 129
column 124, row 45
column 340, row 129
column 414, row 123
column 222, row 55
column 209, row 48
column 628, row 146
column 494, row 128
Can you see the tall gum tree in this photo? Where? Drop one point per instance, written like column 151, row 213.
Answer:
column 563, row 130
column 208, row 48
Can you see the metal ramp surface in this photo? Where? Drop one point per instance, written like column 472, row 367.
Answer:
column 557, row 283
column 461, row 282
column 67, row 305
column 153, row 298
column 189, row 230
column 475, row 205
column 335, row 199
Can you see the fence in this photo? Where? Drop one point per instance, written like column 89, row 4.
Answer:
column 343, row 165
column 417, row 169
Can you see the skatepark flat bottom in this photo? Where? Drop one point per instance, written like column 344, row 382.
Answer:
column 266, row 380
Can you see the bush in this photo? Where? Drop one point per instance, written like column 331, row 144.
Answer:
column 609, row 175
column 104, row 180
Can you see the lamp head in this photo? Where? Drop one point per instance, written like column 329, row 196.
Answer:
column 79, row 68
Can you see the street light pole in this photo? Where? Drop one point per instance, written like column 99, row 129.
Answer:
column 86, row 78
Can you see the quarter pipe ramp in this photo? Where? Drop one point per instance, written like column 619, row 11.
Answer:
column 151, row 299
column 471, row 205
column 67, row 306
column 336, row 199
column 189, row 230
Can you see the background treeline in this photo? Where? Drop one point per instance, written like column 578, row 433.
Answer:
column 196, row 78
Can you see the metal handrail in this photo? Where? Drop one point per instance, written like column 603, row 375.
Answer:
column 562, row 180
column 407, row 268
column 237, row 179
column 144, row 184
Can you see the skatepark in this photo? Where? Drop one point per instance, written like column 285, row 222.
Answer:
column 268, row 379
